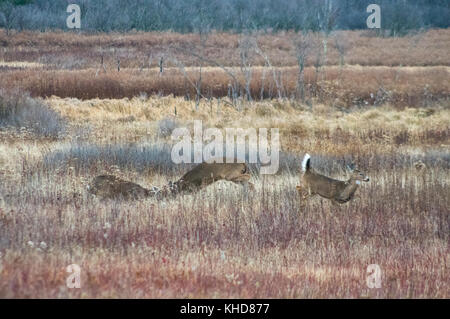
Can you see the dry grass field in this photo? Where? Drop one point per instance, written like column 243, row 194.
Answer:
column 385, row 110
column 69, row 50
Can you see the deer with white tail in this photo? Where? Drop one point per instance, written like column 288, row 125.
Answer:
column 339, row 192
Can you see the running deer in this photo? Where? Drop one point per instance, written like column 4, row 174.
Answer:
column 205, row 174
column 109, row 186
column 338, row 191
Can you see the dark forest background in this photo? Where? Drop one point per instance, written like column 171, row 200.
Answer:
column 398, row 16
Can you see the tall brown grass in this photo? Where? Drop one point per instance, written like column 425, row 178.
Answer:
column 341, row 87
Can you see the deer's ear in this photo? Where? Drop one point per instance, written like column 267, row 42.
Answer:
column 350, row 167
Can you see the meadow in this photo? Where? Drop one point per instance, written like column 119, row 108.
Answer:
column 65, row 118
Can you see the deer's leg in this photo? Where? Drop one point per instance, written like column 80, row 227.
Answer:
column 247, row 185
column 243, row 180
column 335, row 202
column 206, row 181
column 190, row 187
column 304, row 193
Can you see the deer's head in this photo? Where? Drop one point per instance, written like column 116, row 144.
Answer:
column 356, row 174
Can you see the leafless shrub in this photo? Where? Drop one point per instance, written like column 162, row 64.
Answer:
column 247, row 45
column 302, row 45
column 341, row 44
column 19, row 110
column 84, row 157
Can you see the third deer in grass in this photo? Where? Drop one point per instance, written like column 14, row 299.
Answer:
column 205, row 174
column 339, row 192
column 110, row 186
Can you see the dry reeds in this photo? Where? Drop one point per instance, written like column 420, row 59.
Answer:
column 351, row 86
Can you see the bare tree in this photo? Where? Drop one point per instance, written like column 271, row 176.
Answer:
column 102, row 65
column 161, row 65
column 147, row 61
column 8, row 13
column 276, row 75
column 317, row 48
column 202, row 26
column 150, row 60
column 302, row 44
column 327, row 17
column 341, row 44
column 247, row 45
column 228, row 15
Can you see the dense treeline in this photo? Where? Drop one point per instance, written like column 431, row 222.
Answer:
column 398, row 16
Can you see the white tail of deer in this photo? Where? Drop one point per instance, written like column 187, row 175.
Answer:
column 337, row 191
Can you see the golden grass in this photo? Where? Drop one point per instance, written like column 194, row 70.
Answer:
column 369, row 130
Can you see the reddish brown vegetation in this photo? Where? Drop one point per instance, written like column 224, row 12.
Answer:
column 222, row 244
column 66, row 49
column 340, row 87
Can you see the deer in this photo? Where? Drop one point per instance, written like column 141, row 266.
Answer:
column 202, row 175
column 339, row 192
column 206, row 174
column 110, row 186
